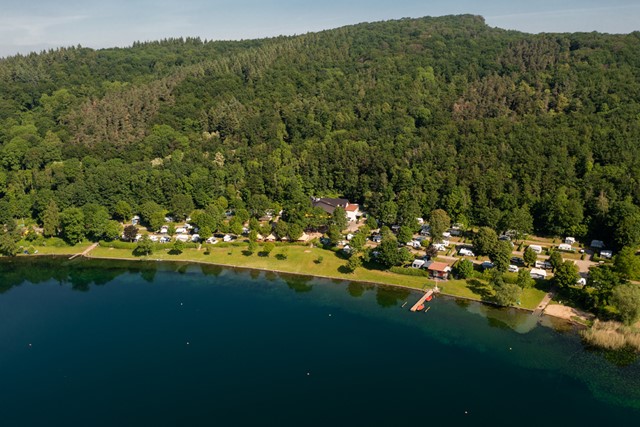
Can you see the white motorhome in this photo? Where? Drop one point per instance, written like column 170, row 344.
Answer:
column 535, row 248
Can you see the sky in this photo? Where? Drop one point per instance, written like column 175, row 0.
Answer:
column 34, row 25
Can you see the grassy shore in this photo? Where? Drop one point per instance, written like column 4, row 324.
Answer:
column 312, row 262
column 58, row 250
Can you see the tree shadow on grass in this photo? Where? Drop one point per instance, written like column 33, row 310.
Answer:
column 281, row 257
column 372, row 265
column 344, row 270
column 483, row 290
column 247, row 253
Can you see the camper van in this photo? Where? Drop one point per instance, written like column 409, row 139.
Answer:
column 535, row 248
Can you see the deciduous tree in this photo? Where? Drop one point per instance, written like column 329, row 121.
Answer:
column 626, row 299
column 530, row 256
column 485, row 241
column 72, row 223
column 130, row 232
column 439, row 222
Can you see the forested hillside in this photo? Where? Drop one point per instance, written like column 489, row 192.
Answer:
column 493, row 126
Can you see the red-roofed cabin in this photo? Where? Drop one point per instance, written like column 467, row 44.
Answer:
column 352, row 210
column 439, row 270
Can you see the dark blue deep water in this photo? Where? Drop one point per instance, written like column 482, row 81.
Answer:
column 97, row 343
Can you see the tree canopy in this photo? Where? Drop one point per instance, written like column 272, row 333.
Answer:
column 409, row 117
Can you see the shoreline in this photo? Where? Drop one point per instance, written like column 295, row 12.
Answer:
column 430, row 282
column 315, row 276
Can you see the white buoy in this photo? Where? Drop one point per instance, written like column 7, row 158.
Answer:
column 187, row 342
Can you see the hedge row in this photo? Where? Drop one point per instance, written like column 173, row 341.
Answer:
column 410, row 271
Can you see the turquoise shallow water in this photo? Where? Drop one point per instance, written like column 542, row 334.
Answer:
column 95, row 343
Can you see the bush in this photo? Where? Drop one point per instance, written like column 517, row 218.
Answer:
column 463, row 269
column 55, row 242
column 267, row 249
column 410, row 271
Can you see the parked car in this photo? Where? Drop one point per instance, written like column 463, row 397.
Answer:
column 517, row 261
column 543, row 264
column 487, row 265
column 376, row 239
column 513, row 268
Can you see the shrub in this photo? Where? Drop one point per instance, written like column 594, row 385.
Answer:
column 55, row 242
column 409, row 271
column 463, row 269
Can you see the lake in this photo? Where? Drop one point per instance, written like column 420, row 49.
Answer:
column 104, row 343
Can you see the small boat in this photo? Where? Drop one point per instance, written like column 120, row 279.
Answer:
column 429, row 298
column 420, row 307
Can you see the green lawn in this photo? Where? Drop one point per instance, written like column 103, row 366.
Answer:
column 300, row 260
column 57, row 250
column 303, row 260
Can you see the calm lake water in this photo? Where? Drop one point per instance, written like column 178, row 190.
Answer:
column 97, row 343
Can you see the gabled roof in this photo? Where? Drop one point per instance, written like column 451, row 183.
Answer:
column 439, row 266
column 352, row 207
column 329, row 204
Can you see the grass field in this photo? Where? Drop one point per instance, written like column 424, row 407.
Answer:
column 57, row 250
column 306, row 260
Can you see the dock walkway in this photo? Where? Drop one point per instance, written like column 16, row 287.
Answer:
column 544, row 303
column 421, row 301
column 85, row 252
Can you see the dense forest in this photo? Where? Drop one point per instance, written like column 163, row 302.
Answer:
column 498, row 128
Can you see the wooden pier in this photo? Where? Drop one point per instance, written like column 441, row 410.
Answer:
column 85, row 252
column 421, row 301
